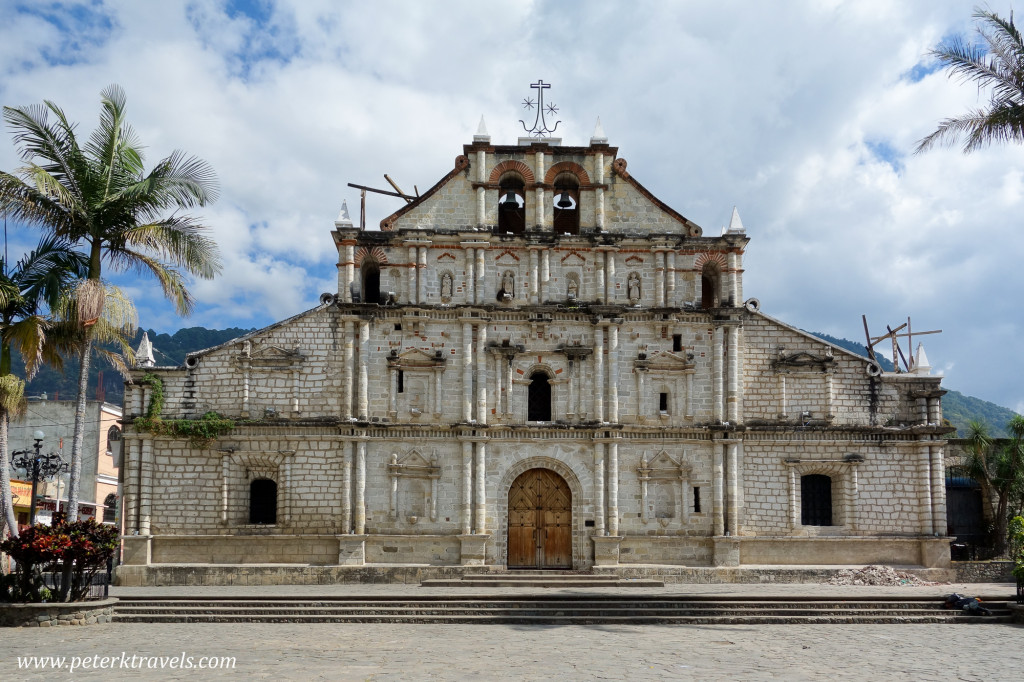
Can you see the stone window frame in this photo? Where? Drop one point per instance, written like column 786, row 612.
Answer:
column 556, row 393
column 843, row 473
column 275, row 466
column 671, row 373
column 413, row 466
column 664, row 469
column 415, row 363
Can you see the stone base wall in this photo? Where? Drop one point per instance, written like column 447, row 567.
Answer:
column 843, row 551
column 983, row 571
column 51, row 615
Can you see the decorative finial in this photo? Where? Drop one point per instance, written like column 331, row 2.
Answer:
column 921, row 365
column 481, row 132
column 144, row 355
column 735, row 225
column 343, row 218
column 540, row 125
column 598, row 137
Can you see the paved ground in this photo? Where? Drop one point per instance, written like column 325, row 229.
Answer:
column 455, row 652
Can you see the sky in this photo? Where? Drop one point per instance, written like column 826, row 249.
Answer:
column 803, row 114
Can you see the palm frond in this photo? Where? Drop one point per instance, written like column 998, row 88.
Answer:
column 171, row 281
column 36, row 137
column 12, row 395
column 25, row 203
column 27, row 336
column 181, row 241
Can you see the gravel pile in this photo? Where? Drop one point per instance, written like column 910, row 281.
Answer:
column 875, row 575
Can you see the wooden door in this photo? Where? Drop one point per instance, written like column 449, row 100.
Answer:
column 539, row 521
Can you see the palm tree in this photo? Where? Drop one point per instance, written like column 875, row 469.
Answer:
column 100, row 198
column 997, row 64
column 999, row 467
column 40, row 278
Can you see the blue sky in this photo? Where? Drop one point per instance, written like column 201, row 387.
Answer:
column 802, row 114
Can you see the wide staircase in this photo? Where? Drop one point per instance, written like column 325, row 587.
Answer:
column 547, row 609
column 548, row 579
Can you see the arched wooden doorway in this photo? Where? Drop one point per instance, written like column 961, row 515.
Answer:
column 539, row 521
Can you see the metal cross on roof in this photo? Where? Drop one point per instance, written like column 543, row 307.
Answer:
column 540, row 125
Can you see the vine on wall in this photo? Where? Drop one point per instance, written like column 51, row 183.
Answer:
column 199, row 432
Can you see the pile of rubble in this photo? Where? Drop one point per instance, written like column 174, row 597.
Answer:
column 875, row 575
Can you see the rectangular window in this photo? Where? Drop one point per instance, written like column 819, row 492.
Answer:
column 663, row 402
column 696, row 499
column 677, row 343
column 401, row 381
column 398, row 326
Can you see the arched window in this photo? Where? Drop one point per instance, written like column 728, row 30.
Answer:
column 263, row 501
column 110, row 508
column 566, row 211
column 511, row 204
column 370, row 282
column 816, row 500
column 539, row 398
column 710, row 278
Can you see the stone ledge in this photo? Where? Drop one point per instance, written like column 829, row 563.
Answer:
column 54, row 614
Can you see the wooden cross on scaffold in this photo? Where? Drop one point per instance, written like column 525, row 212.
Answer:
column 894, row 335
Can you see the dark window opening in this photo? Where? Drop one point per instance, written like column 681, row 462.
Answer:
column 263, row 501
column 816, row 500
column 663, row 402
column 539, row 398
column 401, row 381
column 371, row 283
column 677, row 343
column 512, row 206
column 398, row 327
column 696, row 499
column 566, row 210
column 110, row 508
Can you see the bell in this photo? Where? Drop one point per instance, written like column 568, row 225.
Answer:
column 511, row 198
column 564, row 201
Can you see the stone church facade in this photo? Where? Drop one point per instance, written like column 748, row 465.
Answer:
column 536, row 364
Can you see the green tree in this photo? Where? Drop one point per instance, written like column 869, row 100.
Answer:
column 998, row 465
column 995, row 64
column 101, row 199
column 39, row 280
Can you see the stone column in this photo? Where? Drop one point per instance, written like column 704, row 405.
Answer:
column 599, row 274
column 829, row 414
column 438, row 393
column 783, row 409
column 534, row 277
column 853, row 494
column 599, row 373
column 481, row 373
column 716, row 375
column 733, row 398
column 599, row 512
column 508, row 384
column 466, row 508
column 467, row 372
column 346, row 488
column 545, row 275
column 733, row 281
column 393, row 388
column 129, row 497
column 471, row 296
column 640, row 414
column 225, row 477
column 480, row 281
column 348, row 266
column 670, row 277
column 145, row 486
column 613, row 488
column 481, row 488
column 599, row 192
column 364, row 368
column 613, row 367
column 414, row 290
column 794, row 514
column 541, row 210
column 732, row 488
column 609, row 277
column 659, row 279
column 938, row 489
column 421, row 276
column 481, row 206
column 739, row 278
column 689, row 394
column 717, row 502
column 360, row 511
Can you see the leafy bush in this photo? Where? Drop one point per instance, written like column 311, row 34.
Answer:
column 79, row 549
column 1017, row 546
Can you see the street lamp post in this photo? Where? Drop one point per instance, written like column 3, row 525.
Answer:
column 40, row 466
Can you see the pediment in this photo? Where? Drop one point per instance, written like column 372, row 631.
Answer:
column 415, row 357
column 666, row 361
column 662, row 466
column 414, row 465
column 270, row 356
column 803, row 360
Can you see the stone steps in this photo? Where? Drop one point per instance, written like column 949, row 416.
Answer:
column 546, row 579
column 578, row 609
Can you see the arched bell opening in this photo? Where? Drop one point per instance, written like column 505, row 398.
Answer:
column 511, row 204
column 566, row 209
column 710, row 286
column 539, row 398
column 370, row 282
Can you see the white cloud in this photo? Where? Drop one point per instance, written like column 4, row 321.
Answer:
column 801, row 113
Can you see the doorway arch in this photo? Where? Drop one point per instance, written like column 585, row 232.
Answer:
column 539, row 521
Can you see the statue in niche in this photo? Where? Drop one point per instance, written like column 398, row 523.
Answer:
column 574, row 289
column 446, row 287
column 508, row 284
column 633, row 287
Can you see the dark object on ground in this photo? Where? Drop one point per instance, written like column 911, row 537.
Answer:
column 968, row 605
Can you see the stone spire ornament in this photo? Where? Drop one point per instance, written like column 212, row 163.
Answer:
column 921, row 365
column 598, row 137
column 144, row 355
column 735, row 224
column 343, row 219
column 481, row 132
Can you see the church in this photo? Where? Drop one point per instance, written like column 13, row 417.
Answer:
column 535, row 364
